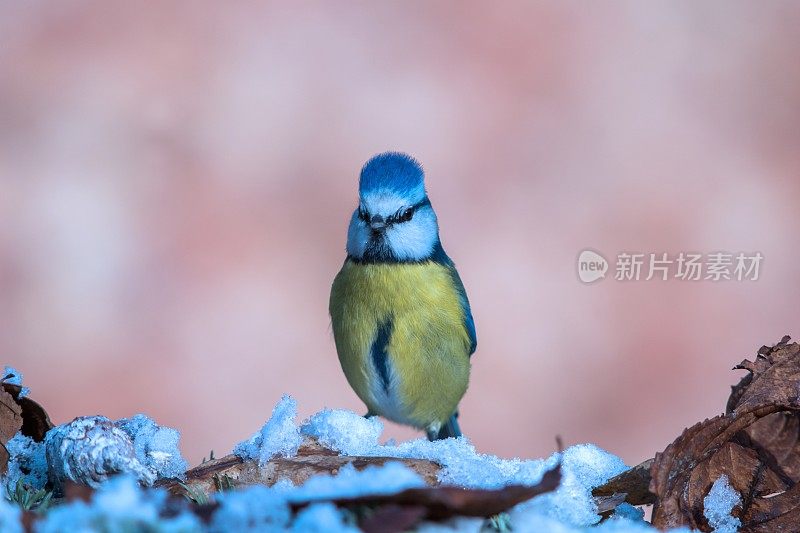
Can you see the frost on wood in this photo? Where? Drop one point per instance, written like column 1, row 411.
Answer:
column 719, row 503
column 280, row 436
column 90, row 449
column 310, row 460
column 27, row 463
column 156, row 447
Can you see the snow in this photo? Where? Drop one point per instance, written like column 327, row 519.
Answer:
column 627, row 526
column 344, row 431
column 718, row 504
column 259, row 508
column 14, row 377
column 119, row 505
column 461, row 525
column 156, row 447
column 626, row 511
column 27, row 462
column 252, row 509
column 531, row 521
column 583, row 466
column 389, row 478
column 322, row 518
column 280, row 436
column 10, row 517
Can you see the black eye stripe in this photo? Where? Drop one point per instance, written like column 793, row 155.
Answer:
column 402, row 215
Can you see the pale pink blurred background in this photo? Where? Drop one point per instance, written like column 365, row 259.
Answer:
column 176, row 181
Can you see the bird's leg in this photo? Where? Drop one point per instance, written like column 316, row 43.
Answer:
column 447, row 430
column 432, row 431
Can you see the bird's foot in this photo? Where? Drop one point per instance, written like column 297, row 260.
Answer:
column 433, row 430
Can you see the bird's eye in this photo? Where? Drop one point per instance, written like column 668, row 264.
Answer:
column 406, row 215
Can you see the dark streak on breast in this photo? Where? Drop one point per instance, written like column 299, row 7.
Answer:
column 378, row 351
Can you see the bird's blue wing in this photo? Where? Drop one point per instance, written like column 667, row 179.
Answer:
column 440, row 256
column 469, row 322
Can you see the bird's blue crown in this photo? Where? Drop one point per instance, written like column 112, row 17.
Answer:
column 392, row 171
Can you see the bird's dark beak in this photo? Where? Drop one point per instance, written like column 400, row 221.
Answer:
column 377, row 223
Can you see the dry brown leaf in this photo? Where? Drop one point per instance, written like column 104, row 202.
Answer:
column 392, row 519
column 19, row 414
column 35, row 420
column 755, row 443
column 10, row 424
column 633, row 484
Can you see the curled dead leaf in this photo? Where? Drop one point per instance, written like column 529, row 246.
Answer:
column 10, row 424
column 35, row 420
column 19, row 413
column 633, row 485
column 392, row 519
column 756, row 444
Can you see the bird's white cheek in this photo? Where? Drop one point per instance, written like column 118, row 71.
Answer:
column 413, row 241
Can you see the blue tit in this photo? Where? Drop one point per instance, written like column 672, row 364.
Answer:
column 401, row 319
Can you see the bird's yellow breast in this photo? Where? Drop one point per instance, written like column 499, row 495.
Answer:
column 428, row 348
